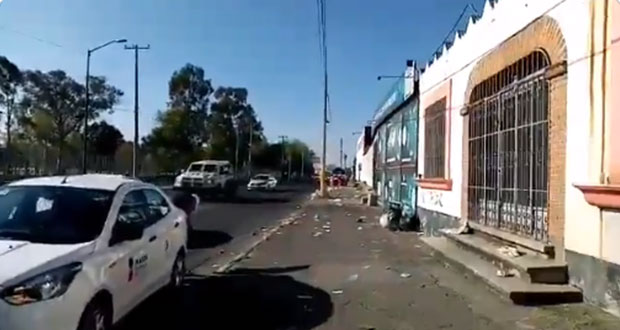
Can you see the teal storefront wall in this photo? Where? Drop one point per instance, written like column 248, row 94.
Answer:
column 396, row 146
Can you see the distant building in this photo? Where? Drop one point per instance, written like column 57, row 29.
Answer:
column 364, row 158
column 316, row 164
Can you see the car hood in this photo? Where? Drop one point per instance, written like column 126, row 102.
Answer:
column 21, row 260
column 258, row 181
column 199, row 174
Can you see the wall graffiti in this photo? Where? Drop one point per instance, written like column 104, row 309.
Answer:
column 434, row 198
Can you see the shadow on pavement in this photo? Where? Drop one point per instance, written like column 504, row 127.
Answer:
column 264, row 271
column 248, row 198
column 236, row 302
column 206, row 239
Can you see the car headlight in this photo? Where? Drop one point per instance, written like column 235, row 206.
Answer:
column 45, row 286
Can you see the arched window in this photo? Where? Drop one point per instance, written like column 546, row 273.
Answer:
column 508, row 148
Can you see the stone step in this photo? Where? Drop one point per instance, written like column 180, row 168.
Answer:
column 547, row 250
column 515, row 288
column 529, row 265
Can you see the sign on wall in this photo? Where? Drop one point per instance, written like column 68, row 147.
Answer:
column 393, row 99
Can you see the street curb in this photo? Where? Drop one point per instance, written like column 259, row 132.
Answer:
column 266, row 235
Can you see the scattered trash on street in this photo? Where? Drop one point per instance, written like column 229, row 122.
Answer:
column 405, row 275
column 317, row 234
column 317, row 217
column 384, row 220
column 510, row 251
column 505, row 273
column 360, row 227
column 366, row 327
column 361, row 219
column 338, row 291
column 353, row 277
column 366, row 267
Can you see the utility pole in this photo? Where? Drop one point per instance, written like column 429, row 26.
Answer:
column 341, row 152
column 136, row 133
column 250, row 151
column 301, row 172
column 283, row 144
column 9, row 119
column 345, row 161
column 290, row 163
column 323, row 44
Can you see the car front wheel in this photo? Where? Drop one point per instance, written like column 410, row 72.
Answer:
column 178, row 273
column 95, row 317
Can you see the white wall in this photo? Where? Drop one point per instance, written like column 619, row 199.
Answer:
column 366, row 162
column 582, row 225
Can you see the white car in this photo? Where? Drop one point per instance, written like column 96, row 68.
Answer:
column 207, row 177
column 80, row 252
column 262, row 182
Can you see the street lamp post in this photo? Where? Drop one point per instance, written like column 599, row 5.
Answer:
column 250, row 150
column 87, row 105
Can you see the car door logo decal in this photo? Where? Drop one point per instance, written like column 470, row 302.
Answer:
column 130, row 270
column 136, row 265
column 141, row 261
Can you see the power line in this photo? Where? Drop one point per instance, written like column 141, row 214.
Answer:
column 40, row 39
column 475, row 59
column 456, row 24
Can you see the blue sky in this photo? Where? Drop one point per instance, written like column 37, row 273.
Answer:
column 267, row 46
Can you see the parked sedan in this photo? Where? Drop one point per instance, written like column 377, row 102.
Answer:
column 262, row 182
column 79, row 252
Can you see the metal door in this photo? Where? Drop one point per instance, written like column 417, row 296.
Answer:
column 508, row 158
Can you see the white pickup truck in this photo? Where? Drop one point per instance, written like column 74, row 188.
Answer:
column 207, row 177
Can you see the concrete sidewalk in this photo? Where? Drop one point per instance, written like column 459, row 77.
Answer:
column 376, row 279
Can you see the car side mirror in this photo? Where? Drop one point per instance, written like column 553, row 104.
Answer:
column 126, row 231
column 186, row 202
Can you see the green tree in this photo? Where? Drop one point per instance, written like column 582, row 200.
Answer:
column 10, row 80
column 231, row 122
column 276, row 156
column 182, row 129
column 56, row 98
column 104, row 140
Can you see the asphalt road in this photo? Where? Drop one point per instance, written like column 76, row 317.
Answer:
column 222, row 229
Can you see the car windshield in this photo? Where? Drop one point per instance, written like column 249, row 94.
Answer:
column 210, row 168
column 195, row 168
column 261, row 177
column 52, row 215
